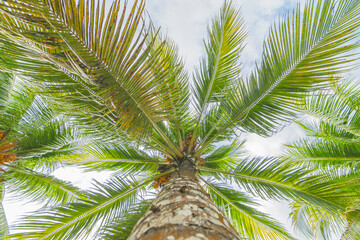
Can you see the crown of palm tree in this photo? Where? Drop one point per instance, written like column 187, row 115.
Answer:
column 115, row 75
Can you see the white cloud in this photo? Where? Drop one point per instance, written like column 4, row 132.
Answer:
column 268, row 7
column 185, row 21
column 272, row 146
column 80, row 178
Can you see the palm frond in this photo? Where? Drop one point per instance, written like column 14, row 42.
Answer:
column 326, row 131
column 55, row 139
column 35, row 127
column 325, row 153
column 173, row 69
column 3, row 222
column 20, row 106
column 352, row 229
column 121, row 227
column 275, row 179
column 6, row 85
column 337, row 117
column 225, row 157
column 348, row 90
column 220, row 68
column 207, row 125
column 315, row 222
column 301, row 54
column 29, row 185
column 99, row 58
column 17, row 104
column 248, row 221
column 334, row 138
column 78, row 219
column 49, row 164
column 124, row 158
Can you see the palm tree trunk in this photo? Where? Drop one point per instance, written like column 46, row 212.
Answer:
column 183, row 210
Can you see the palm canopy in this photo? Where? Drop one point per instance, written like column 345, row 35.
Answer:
column 33, row 139
column 332, row 146
column 117, row 74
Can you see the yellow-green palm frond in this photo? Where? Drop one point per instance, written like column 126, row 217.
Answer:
column 240, row 208
column 30, row 185
column 220, row 68
column 271, row 178
column 333, row 136
column 315, row 222
column 105, row 202
column 301, row 54
column 3, row 222
column 124, row 158
column 100, row 60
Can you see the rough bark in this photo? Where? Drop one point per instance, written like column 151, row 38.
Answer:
column 183, row 210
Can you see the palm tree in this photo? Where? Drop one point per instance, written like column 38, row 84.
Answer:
column 32, row 140
column 113, row 71
column 332, row 146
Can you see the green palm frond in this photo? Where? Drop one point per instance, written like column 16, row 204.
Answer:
column 315, row 222
column 6, row 86
column 29, row 185
column 17, row 105
column 125, row 158
column 51, row 145
column 275, row 179
column 300, row 55
column 329, row 132
column 334, row 138
column 3, row 222
column 70, row 221
column 35, row 127
column 104, row 55
column 220, row 68
column 225, row 157
column 348, row 90
column 121, row 227
column 20, row 106
column 337, row 117
column 174, row 132
column 325, row 153
column 52, row 140
column 173, row 69
column 352, row 229
column 248, row 221
column 206, row 128
column 353, row 232
column 49, row 164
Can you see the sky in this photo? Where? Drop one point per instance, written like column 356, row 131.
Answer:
column 185, row 22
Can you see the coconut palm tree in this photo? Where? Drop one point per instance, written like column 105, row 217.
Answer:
column 332, row 146
column 112, row 70
column 32, row 140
